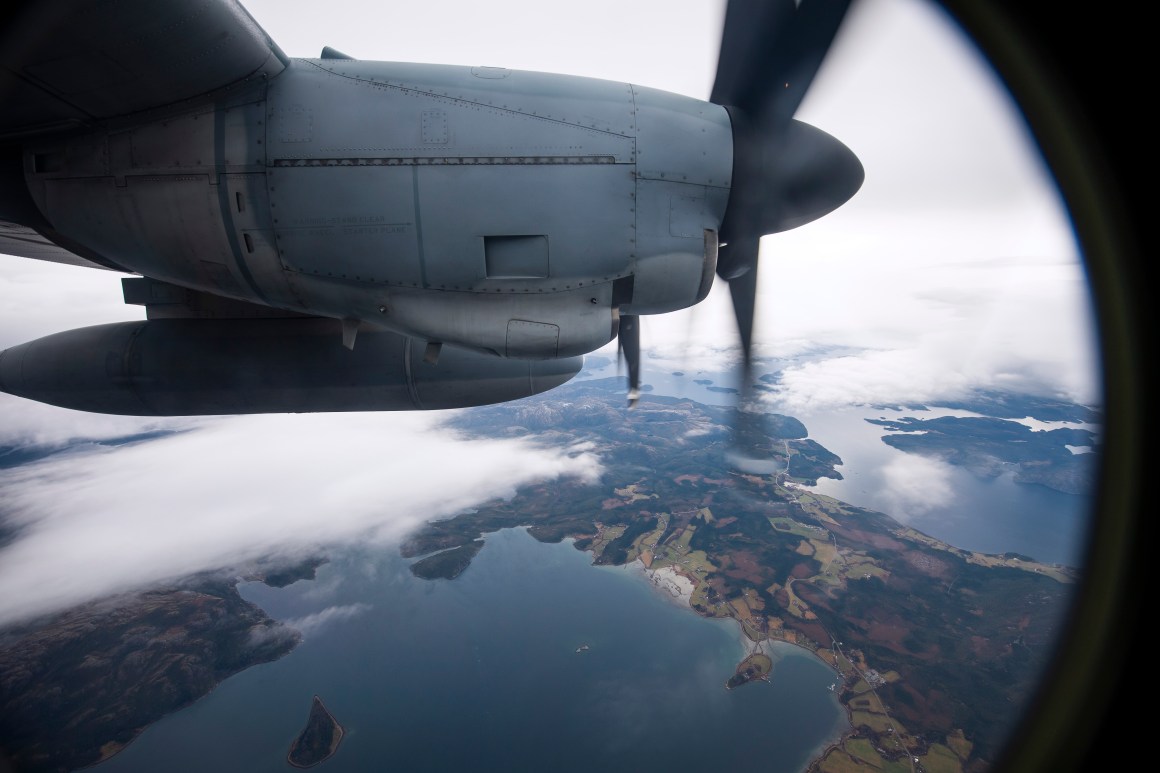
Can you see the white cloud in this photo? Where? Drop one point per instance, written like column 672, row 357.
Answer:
column 40, row 298
column 915, row 485
column 942, row 330
column 310, row 624
column 27, row 423
column 861, row 331
column 106, row 520
column 665, row 44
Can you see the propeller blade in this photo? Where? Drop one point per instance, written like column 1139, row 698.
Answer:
column 628, row 338
column 743, row 291
column 770, row 52
column 751, row 33
column 785, row 173
column 749, row 440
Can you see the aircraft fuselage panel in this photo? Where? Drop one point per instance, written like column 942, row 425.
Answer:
column 452, row 204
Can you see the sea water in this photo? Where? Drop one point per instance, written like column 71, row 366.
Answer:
column 483, row 672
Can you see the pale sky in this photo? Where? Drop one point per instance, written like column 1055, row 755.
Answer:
column 953, row 268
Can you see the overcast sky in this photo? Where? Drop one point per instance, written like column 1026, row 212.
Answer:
column 953, row 268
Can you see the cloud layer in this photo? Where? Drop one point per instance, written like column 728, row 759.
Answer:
column 101, row 520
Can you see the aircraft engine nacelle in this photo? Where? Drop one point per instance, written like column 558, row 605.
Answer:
column 509, row 212
column 183, row 367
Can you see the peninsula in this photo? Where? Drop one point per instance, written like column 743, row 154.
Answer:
column 937, row 649
column 756, row 666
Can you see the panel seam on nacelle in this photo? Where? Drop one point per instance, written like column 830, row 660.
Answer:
column 353, row 161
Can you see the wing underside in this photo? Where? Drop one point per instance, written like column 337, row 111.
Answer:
column 25, row 242
column 70, row 63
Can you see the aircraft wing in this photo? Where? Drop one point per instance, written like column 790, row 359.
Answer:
column 25, row 242
column 71, row 63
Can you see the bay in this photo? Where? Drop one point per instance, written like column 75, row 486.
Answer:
column 482, row 672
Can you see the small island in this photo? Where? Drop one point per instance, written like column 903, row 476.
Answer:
column 318, row 740
column 756, row 666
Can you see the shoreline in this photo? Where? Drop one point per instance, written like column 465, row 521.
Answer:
column 673, row 580
column 670, row 582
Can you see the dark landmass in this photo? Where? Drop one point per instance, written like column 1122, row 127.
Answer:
column 789, row 428
column 943, row 644
column 1009, row 405
column 77, row 687
column 813, row 462
column 447, row 564
column 280, row 575
column 999, row 404
column 988, row 446
column 660, row 433
column 726, row 390
column 318, row 740
column 678, row 373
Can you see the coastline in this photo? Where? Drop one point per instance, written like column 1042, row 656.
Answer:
column 671, row 582
column 678, row 588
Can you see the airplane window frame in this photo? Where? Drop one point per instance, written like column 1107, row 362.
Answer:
column 1092, row 146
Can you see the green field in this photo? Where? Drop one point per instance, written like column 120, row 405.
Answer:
column 940, row 759
column 877, row 722
column 790, row 526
